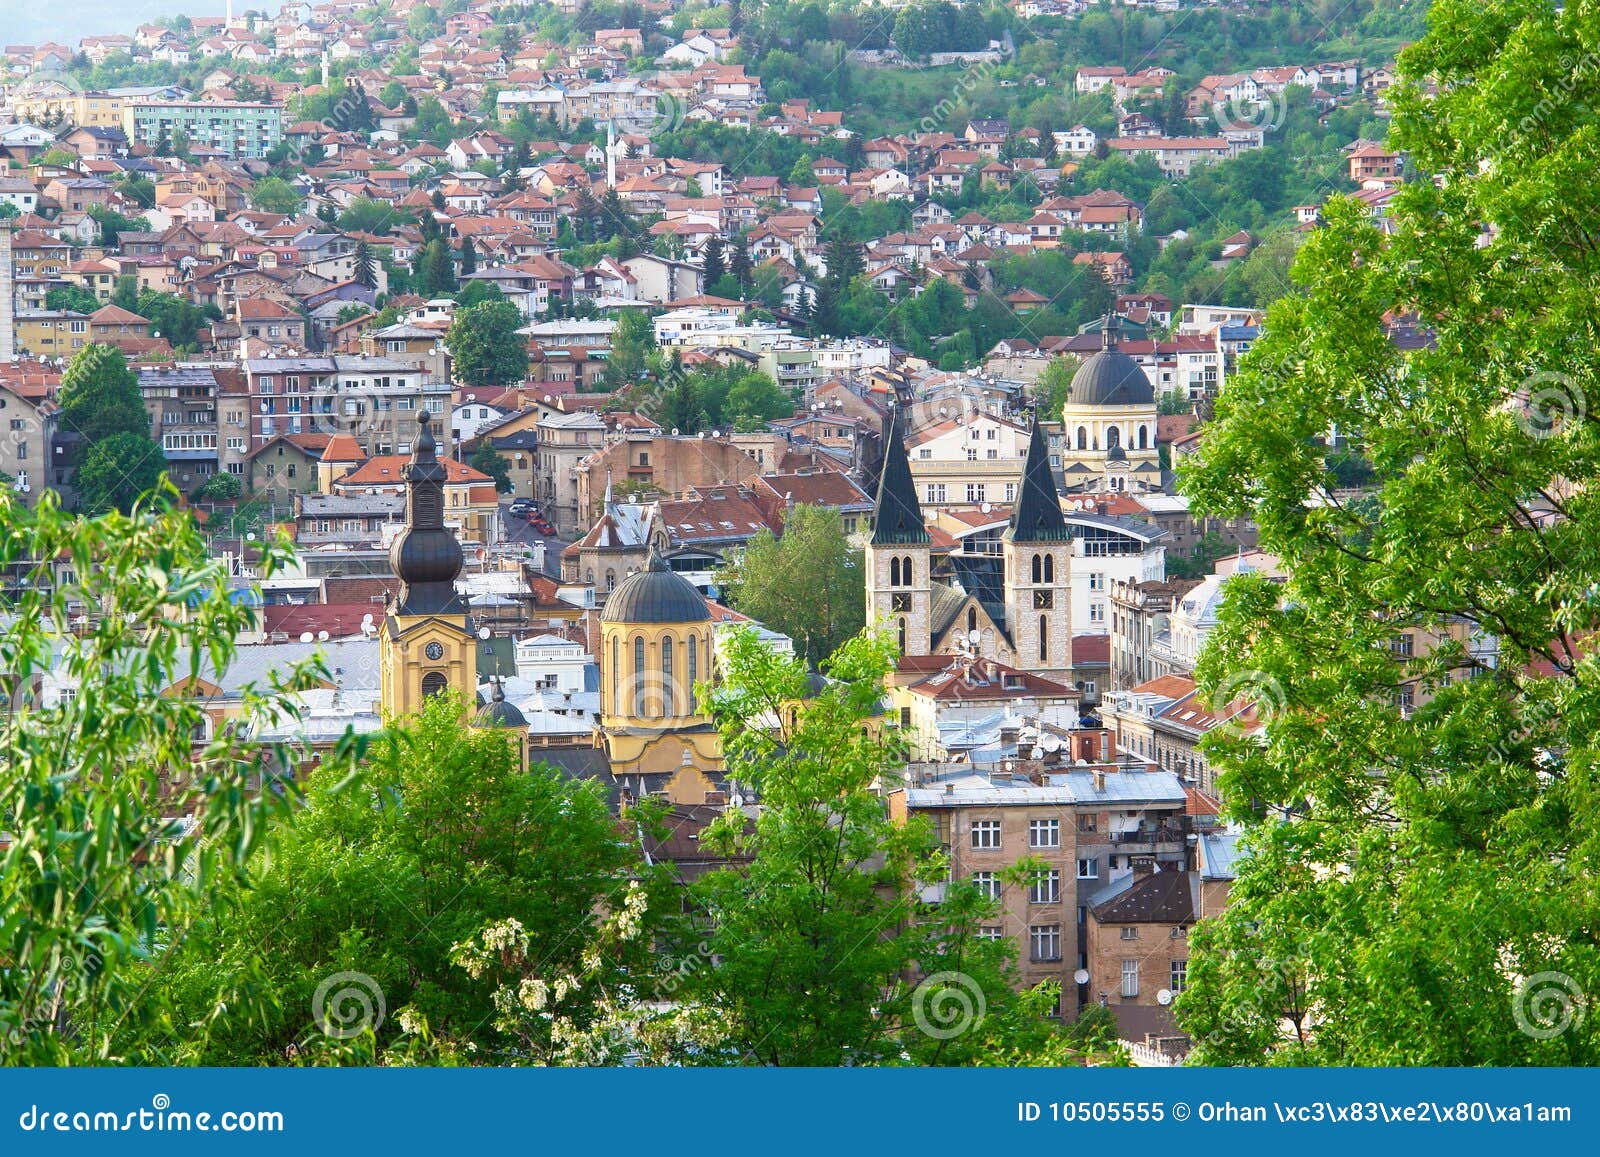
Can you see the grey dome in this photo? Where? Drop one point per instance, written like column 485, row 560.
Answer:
column 1116, row 454
column 655, row 595
column 500, row 713
column 1110, row 378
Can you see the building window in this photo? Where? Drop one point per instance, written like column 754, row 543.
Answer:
column 694, row 669
column 1087, row 822
column 1044, row 942
column 991, row 932
column 1044, row 639
column 616, row 675
column 986, row 835
column 1177, row 974
column 987, row 883
column 1044, row 833
column 1097, row 580
column 1089, row 868
column 935, row 493
column 1130, row 933
column 638, row 677
column 902, row 636
column 1130, row 978
column 433, row 683
column 1046, row 887
column 669, row 695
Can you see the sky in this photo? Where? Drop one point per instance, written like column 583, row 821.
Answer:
column 30, row 21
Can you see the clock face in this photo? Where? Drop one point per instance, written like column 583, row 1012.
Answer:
column 434, row 651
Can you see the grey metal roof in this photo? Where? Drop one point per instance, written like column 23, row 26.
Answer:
column 1123, row 787
column 656, row 594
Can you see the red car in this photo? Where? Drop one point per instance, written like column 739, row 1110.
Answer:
column 544, row 528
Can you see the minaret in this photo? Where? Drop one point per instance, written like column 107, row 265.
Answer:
column 611, row 154
column 324, row 69
column 1038, row 560
column 427, row 646
column 898, row 557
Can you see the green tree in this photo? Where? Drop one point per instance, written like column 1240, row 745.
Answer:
column 366, row 215
column 220, row 487
column 71, row 297
column 443, row 834
column 275, row 195
column 1053, row 386
column 755, row 400
column 493, row 463
column 806, row 584
column 100, row 396
column 469, row 256
column 366, row 272
column 633, row 340
column 96, row 869
column 1418, row 888
column 438, row 272
column 485, row 346
column 816, row 937
column 117, row 471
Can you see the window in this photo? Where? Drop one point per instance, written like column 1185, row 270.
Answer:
column 936, row 493
column 1044, row 639
column 1178, row 972
column 1087, row 822
column 1130, row 978
column 1097, row 580
column 972, row 453
column 1044, row 942
column 1130, row 933
column 669, row 693
column 1011, row 491
column 990, row 932
column 1089, row 869
column 434, row 683
column 1044, row 833
column 616, row 676
column 1097, row 612
column 986, row 834
column 987, row 883
column 1046, row 887
column 638, row 676
column 694, row 668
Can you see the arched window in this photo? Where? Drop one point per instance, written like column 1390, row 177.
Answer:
column 616, row 675
column 639, row 706
column 1144, row 437
column 433, row 683
column 905, row 569
column 1044, row 638
column 611, row 580
column 669, row 691
column 1113, row 437
column 694, row 669
column 1038, row 569
column 1083, row 437
column 972, row 618
column 894, row 571
column 902, row 636
column 1049, row 569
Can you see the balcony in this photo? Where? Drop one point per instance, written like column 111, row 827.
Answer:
column 1145, row 836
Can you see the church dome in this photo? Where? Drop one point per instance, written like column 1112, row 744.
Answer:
column 500, row 713
column 1110, row 378
column 655, row 595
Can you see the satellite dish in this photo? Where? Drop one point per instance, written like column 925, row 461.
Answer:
column 306, row 636
column 1081, row 976
column 322, row 636
column 483, row 632
column 973, row 636
column 366, row 619
column 986, row 508
column 1164, row 996
column 1050, row 743
column 674, row 431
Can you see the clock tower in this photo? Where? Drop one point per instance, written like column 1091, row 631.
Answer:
column 427, row 646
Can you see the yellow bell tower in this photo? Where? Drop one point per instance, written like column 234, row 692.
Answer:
column 427, row 646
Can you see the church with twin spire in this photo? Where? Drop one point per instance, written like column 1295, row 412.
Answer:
column 1014, row 608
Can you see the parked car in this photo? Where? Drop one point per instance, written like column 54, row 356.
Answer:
column 522, row 505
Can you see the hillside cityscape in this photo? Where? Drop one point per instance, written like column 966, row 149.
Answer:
column 1047, row 533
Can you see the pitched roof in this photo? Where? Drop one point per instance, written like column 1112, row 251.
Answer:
column 897, row 518
column 1037, row 517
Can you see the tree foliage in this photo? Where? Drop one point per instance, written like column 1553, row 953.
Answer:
column 1422, row 819
column 100, row 396
column 809, row 584
column 122, row 830
column 485, row 347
